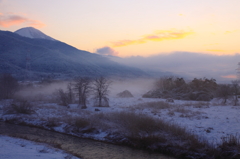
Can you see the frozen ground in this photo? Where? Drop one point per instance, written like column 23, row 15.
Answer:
column 13, row 148
column 209, row 120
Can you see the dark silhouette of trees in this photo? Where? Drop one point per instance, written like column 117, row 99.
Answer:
column 8, row 86
column 170, row 83
column 100, row 91
column 201, row 89
column 204, row 84
column 83, row 87
column 235, row 91
column 224, row 92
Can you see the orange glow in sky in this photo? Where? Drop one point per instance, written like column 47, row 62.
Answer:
column 133, row 27
column 158, row 36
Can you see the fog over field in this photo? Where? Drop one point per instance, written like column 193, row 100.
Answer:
column 186, row 64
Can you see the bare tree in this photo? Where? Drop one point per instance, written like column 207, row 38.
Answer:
column 165, row 83
column 82, row 86
column 8, row 86
column 101, row 90
column 169, row 83
column 236, row 91
column 70, row 93
column 224, row 92
column 62, row 97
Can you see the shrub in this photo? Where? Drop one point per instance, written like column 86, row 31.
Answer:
column 155, row 105
column 81, row 122
column 224, row 92
column 62, row 97
column 19, row 107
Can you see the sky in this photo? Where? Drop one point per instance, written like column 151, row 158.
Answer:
column 132, row 27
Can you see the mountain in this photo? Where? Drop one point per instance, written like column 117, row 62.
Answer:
column 33, row 33
column 43, row 58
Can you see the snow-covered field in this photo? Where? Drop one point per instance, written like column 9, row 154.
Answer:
column 14, row 148
column 210, row 121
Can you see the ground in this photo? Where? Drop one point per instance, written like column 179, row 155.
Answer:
column 210, row 121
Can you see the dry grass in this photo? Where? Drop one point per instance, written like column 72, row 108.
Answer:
column 200, row 104
column 229, row 148
column 186, row 113
column 53, row 121
column 231, row 140
column 81, row 122
column 19, row 107
column 144, row 129
column 155, row 105
column 146, row 132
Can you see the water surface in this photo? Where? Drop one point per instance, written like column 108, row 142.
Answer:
column 84, row 148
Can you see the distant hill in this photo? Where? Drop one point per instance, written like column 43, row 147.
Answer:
column 47, row 57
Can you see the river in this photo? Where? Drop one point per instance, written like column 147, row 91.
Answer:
column 84, row 148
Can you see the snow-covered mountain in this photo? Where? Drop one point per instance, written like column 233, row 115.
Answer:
column 52, row 58
column 33, row 33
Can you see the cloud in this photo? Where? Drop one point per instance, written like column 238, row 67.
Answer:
column 230, row 76
column 107, row 51
column 157, row 36
column 10, row 20
column 230, row 32
column 188, row 65
column 216, row 50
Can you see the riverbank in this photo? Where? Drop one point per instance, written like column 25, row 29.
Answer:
column 15, row 148
column 83, row 148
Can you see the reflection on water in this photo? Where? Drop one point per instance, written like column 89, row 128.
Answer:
column 87, row 149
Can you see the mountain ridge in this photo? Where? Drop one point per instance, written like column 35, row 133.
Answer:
column 55, row 58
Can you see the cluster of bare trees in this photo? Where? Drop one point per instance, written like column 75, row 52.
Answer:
column 198, row 89
column 83, row 88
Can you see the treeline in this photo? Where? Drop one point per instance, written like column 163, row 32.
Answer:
column 81, row 89
column 198, row 89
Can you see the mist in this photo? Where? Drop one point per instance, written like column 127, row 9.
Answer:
column 186, row 64
column 41, row 91
column 137, row 87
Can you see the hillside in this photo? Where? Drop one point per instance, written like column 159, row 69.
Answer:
column 54, row 58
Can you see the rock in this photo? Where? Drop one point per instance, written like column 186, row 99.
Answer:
column 125, row 94
column 169, row 100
